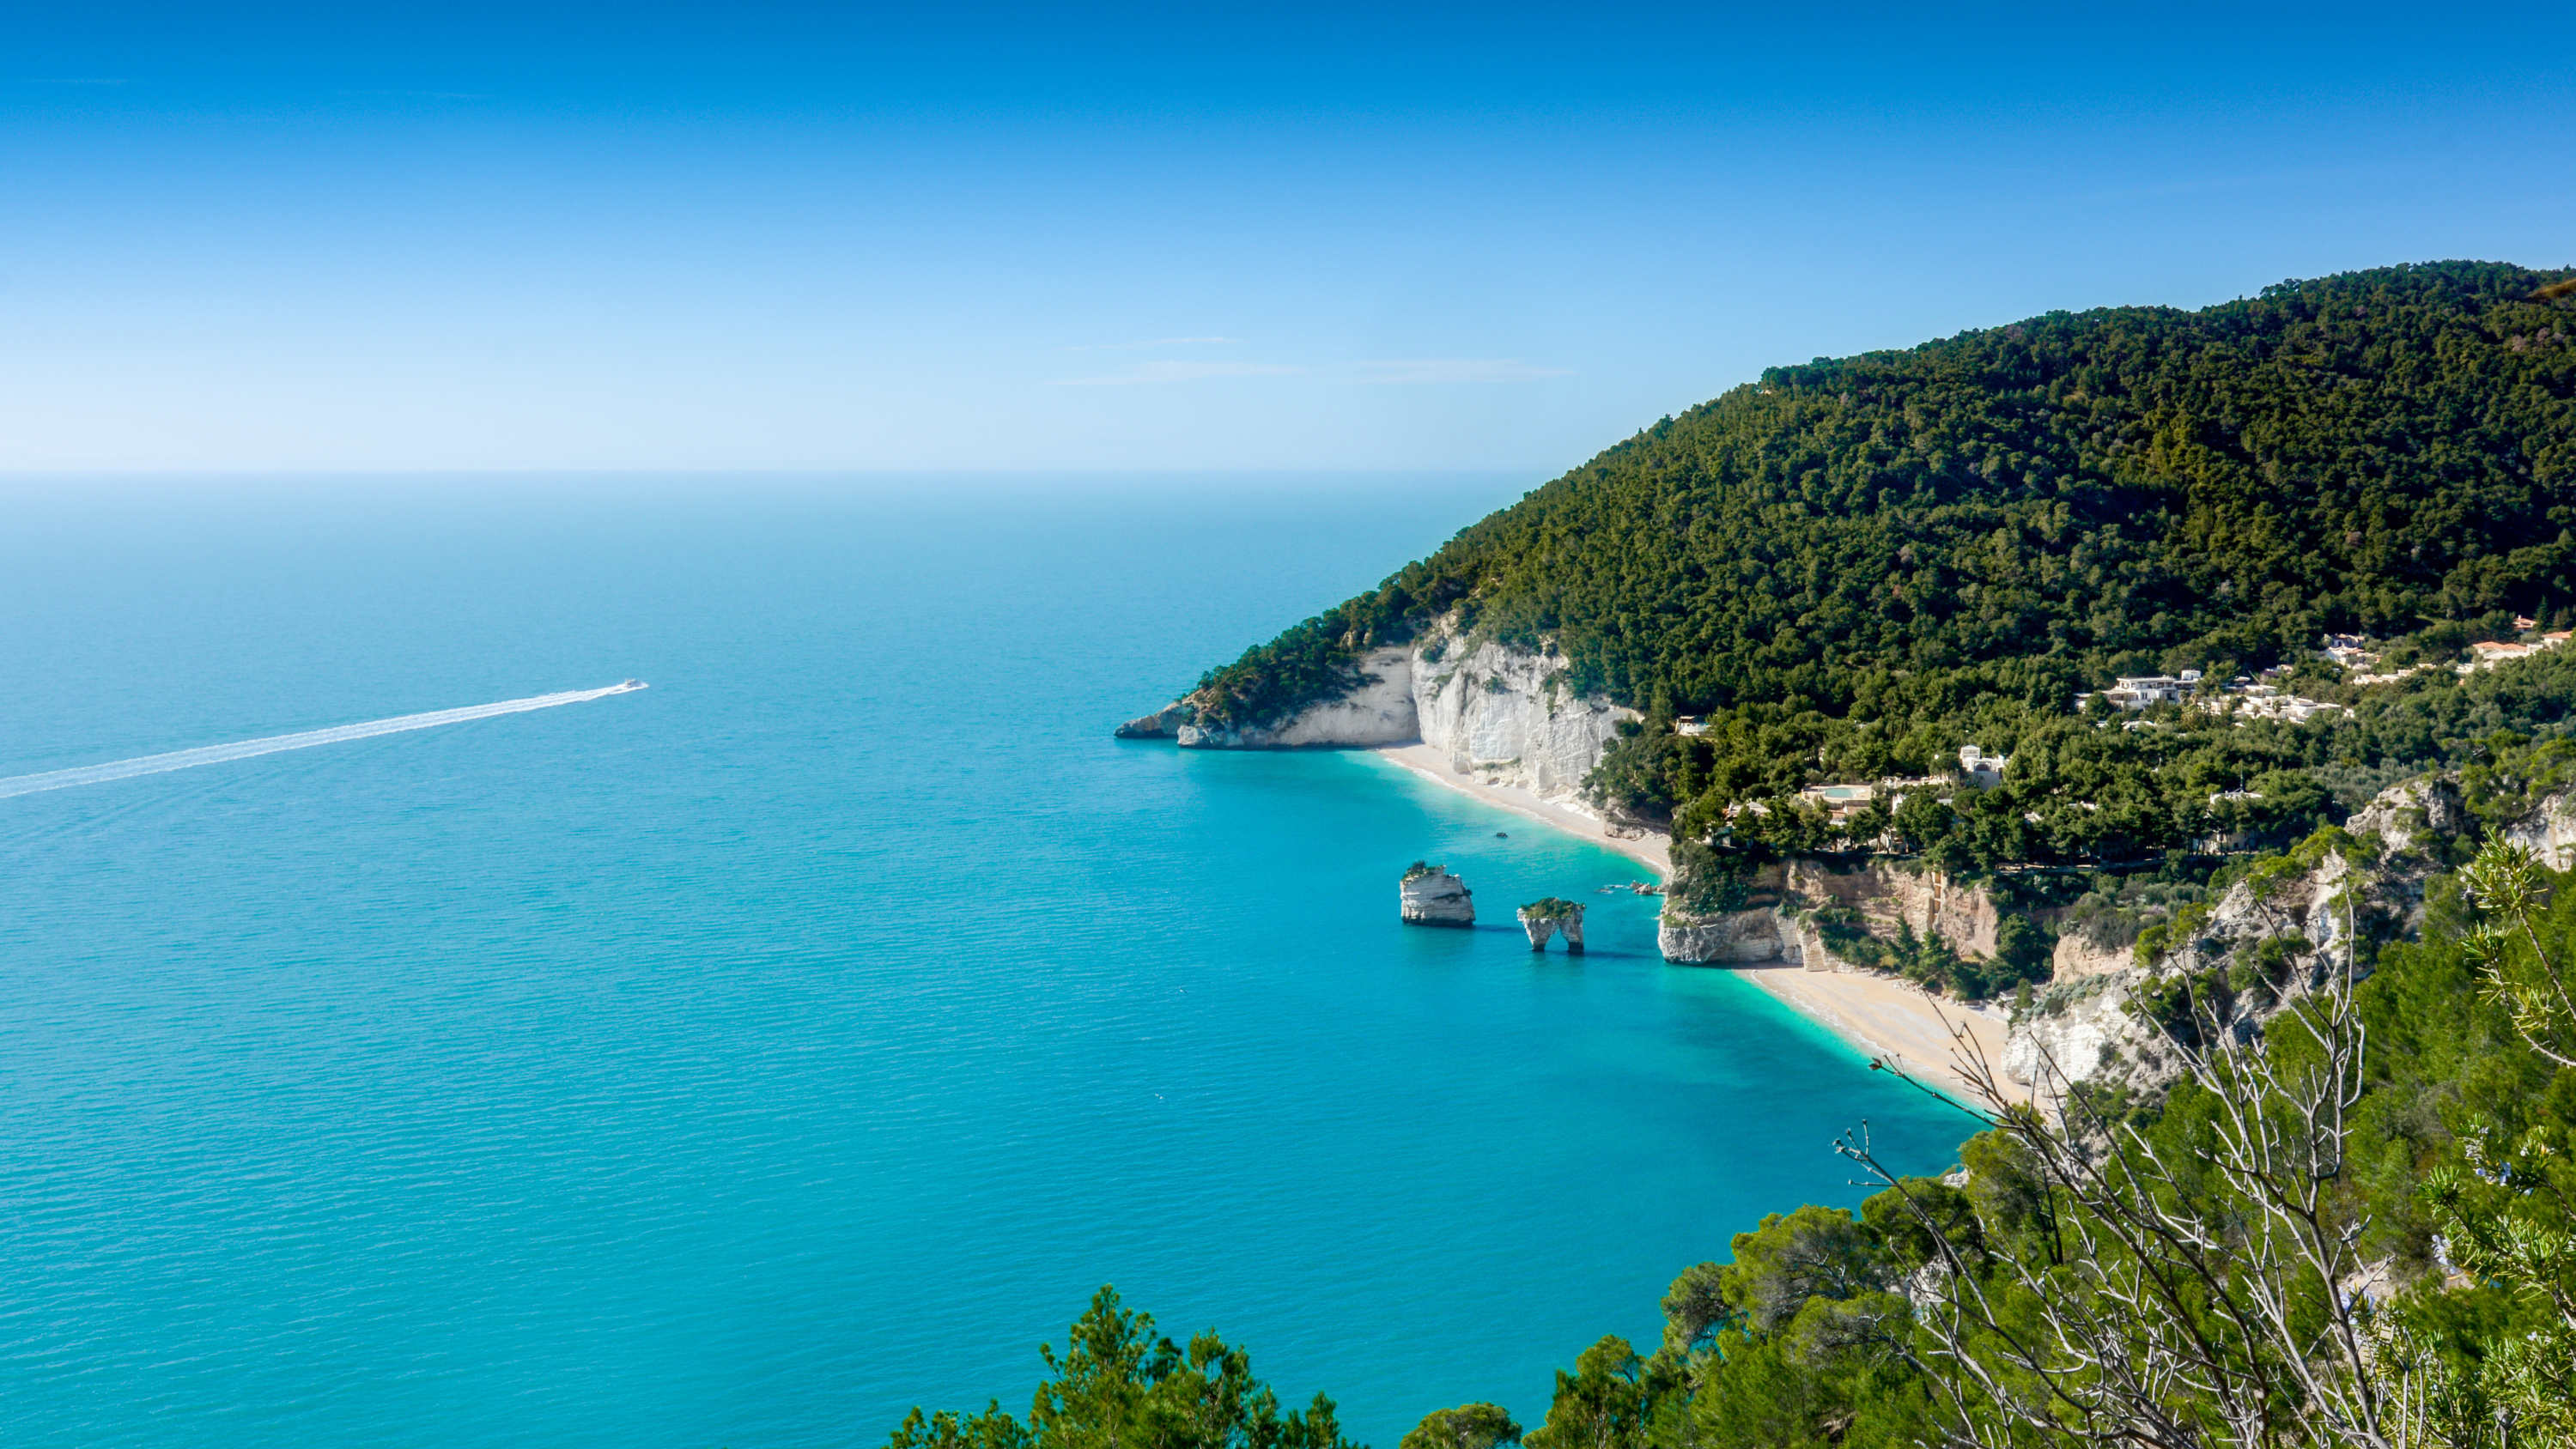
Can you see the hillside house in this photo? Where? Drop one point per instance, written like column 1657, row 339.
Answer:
column 1980, row 769
column 2351, row 651
column 1841, row 802
column 2488, row 653
column 2140, row 691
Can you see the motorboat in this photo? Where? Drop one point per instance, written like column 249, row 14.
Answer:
column 634, row 684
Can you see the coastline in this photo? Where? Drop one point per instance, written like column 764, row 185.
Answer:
column 1881, row 1016
column 1654, row 851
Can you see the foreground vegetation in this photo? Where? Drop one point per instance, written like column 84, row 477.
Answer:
column 2358, row 1231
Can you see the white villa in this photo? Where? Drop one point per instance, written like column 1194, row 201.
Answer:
column 1842, row 802
column 1980, row 769
column 2490, row 653
column 2138, row 691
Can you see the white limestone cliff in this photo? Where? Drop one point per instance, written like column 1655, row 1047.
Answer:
column 2548, row 832
column 1379, row 712
column 1501, row 712
column 2079, row 1027
column 1729, row 938
column 1504, row 713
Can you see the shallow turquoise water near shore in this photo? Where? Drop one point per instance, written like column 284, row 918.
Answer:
column 742, row 1061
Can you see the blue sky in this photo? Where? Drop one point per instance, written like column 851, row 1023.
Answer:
column 539, row 236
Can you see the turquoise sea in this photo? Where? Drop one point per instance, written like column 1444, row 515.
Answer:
column 744, row 1060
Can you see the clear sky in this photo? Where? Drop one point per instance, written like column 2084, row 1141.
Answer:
column 743, row 236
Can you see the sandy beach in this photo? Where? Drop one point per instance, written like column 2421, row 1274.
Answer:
column 1653, row 851
column 1882, row 1016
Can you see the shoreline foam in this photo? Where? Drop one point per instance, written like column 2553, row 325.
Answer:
column 1881, row 1016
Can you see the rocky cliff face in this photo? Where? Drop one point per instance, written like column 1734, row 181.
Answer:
column 1435, row 898
column 2412, row 818
column 2080, row 1029
column 1729, row 938
column 2548, row 832
column 1753, row 933
column 1884, row 893
column 2263, row 944
column 1502, row 712
column 2077, row 958
column 1379, row 712
column 1162, row 724
column 2087, row 1031
column 1888, row 894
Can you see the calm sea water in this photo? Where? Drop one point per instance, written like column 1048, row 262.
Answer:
column 745, row 1060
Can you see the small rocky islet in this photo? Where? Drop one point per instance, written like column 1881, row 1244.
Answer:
column 1430, row 896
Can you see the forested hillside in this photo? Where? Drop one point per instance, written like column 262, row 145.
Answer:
column 1854, row 566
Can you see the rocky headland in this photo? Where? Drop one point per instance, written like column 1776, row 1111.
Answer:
column 1500, row 713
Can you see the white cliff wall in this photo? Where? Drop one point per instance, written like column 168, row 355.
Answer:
column 2549, row 831
column 1377, row 713
column 1503, row 712
column 2082, row 1028
column 1497, row 711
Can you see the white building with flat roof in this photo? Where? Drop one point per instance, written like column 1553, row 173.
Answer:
column 2138, row 691
column 1980, row 769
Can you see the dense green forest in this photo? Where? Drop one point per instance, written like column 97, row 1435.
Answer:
column 1853, row 567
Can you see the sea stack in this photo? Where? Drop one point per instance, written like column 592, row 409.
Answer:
column 1544, row 918
column 1541, row 928
column 1431, row 896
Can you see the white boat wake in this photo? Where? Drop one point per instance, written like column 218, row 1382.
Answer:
column 217, row 754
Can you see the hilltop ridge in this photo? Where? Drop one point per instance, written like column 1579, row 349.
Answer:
column 1851, row 568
